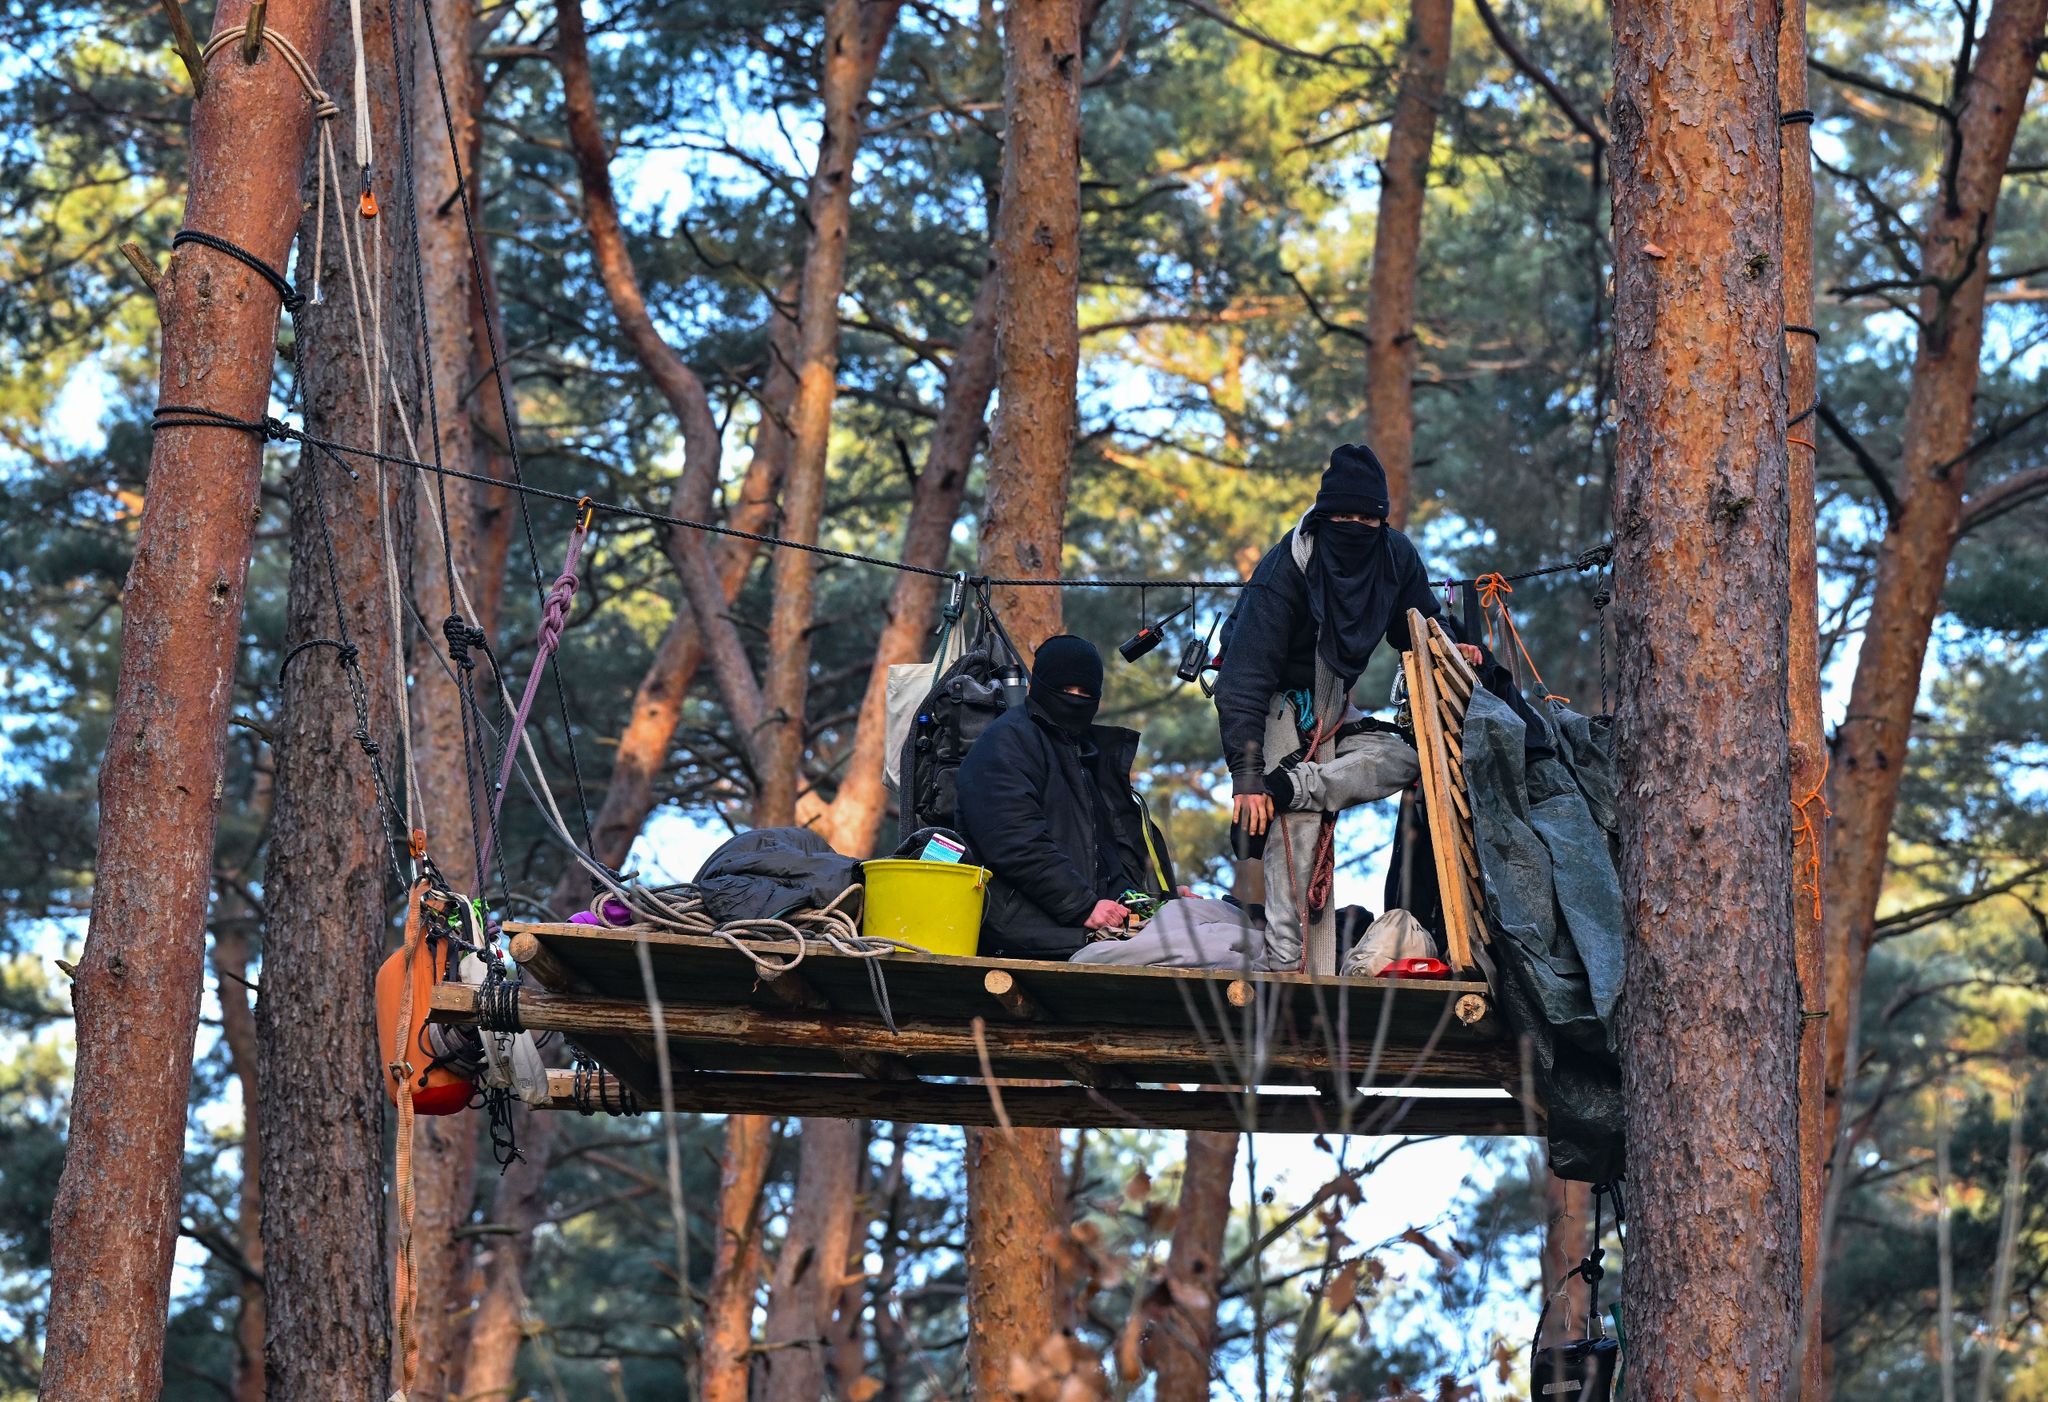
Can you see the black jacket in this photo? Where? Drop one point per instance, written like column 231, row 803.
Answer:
column 1269, row 646
column 1028, row 816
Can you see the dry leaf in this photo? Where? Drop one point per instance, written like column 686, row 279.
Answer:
column 1138, row 1186
column 1446, row 1259
column 864, row 1390
column 1342, row 1291
column 1130, row 1362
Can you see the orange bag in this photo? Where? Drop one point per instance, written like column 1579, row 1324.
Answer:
column 405, row 992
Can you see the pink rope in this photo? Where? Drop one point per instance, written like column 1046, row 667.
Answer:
column 554, row 615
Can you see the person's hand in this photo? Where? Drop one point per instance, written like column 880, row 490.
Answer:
column 1471, row 653
column 1253, row 812
column 1107, row 915
column 1187, row 892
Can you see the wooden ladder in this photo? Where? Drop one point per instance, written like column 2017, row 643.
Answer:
column 1440, row 687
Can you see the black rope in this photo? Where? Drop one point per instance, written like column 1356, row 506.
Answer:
column 1796, row 329
column 497, row 1004
column 181, row 416
column 1798, row 116
column 286, row 293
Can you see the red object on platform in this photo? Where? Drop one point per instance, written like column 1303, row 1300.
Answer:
column 1416, row 968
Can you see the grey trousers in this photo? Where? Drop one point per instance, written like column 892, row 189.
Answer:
column 1360, row 769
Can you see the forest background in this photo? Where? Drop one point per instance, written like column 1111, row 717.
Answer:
column 1231, row 188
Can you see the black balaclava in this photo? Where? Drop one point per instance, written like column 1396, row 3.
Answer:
column 1062, row 662
column 1351, row 585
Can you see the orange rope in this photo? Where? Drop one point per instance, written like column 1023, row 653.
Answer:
column 1493, row 591
column 1805, row 833
column 406, row 1279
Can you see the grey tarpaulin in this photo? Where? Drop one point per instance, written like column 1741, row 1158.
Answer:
column 769, row 872
column 1543, row 813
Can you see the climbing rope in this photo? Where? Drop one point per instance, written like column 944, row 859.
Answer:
column 1493, row 601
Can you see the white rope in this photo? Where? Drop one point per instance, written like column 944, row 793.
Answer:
column 323, row 109
column 355, row 31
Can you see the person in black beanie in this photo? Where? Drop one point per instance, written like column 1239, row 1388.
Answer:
column 1046, row 803
column 1316, row 608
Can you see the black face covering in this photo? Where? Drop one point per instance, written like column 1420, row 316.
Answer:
column 1072, row 714
column 1351, row 592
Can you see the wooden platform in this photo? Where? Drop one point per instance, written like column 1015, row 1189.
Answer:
column 1165, row 1048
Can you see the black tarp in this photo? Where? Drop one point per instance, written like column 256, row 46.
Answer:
column 1543, row 817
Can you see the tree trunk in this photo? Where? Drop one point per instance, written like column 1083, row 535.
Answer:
column 1702, row 573
column 1038, row 273
column 855, row 32
column 1183, row 1339
column 857, row 809
column 1397, row 252
column 519, row 1202
column 452, row 786
column 812, row 1266
column 1013, row 1212
column 330, row 854
column 1567, row 1237
column 137, row 989
column 1802, row 680
column 736, row 1258
column 238, row 1031
column 1912, row 566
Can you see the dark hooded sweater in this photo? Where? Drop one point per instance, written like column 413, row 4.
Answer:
column 1269, row 646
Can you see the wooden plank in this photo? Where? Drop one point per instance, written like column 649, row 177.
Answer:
column 633, row 1063
column 1436, row 800
column 955, row 1103
column 716, row 1038
column 698, row 969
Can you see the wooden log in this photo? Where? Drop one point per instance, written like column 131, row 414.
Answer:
column 1050, row 1107
column 775, row 1039
column 1008, row 990
column 791, row 990
column 1470, row 1009
column 606, row 1094
column 1239, row 993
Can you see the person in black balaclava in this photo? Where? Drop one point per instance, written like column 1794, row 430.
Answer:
column 1315, row 610
column 1046, row 803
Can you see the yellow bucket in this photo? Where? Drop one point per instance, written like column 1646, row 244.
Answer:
column 934, row 906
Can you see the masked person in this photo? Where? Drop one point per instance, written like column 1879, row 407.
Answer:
column 1316, row 608
column 1046, row 803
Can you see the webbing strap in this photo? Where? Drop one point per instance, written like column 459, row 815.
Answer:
column 405, row 1342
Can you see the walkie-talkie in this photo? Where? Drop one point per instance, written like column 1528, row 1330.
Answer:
column 1149, row 636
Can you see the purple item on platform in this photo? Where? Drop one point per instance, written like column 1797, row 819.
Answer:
column 583, row 917
column 616, row 911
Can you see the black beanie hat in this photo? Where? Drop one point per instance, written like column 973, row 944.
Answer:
column 1354, row 484
column 1066, row 661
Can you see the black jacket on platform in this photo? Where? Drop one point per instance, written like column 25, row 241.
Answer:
column 1028, row 814
column 1270, row 647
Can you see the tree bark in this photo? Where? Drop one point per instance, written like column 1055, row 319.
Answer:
column 1183, row 1340
column 1567, row 1237
column 330, row 854
column 736, row 1258
column 812, row 1266
column 1038, row 334
column 238, row 1031
column 1802, row 680
column 444, row 1154
column 855, row 33
column 136, row 992
column 1702, row 572
column 1390, row 351
column 1912, row 567
column 519, row 1202
column 1014, row 1177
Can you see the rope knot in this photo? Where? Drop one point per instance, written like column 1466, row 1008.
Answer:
column 1596, row 558
column 276, row 430
column 325, row 109
column 461, row 638
column 555, row 610
column 1493, row 590
column 369, row 747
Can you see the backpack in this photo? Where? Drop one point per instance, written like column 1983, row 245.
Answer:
column 986, row 680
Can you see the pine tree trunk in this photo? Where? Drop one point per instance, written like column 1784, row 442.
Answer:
column 1038, row 273
column 238, row 1031
column 451, row 786
column 811, row 1269
column 1912, row 566
column 1567, row 1237
column 1802, row 677
column 735, row 1259
column 137, row 989
column 855, row 33
column 1702, row 577
column 1390, row 348
column 1183, row 1340
column 330, row 855
column 518, row 1202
